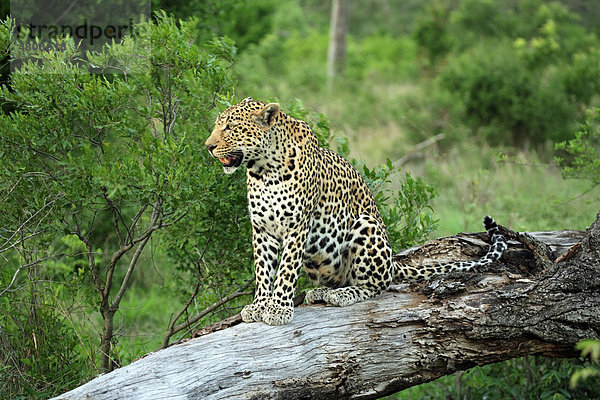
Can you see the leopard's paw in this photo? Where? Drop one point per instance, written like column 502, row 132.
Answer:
column 341, row 297
column 253, row 312
column 316, row 295
column 276, row 314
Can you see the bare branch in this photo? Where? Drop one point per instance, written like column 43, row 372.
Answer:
column 174, row 109
column 173, row 330
column 417, row 148
column 142, row 240
column 170, row 331
column 19, row 269
column 132, row 264
column 135, row 221
column 7, row 245
column 11, row 189
column 29, row 147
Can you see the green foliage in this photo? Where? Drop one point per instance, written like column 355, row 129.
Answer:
column 581, row 78
column 501, row 98
column 293, row 65
column 381, row 57
column 516, row 72
column 410, row 219
column 431, row 34
column 477, row 18
column 582, row 154
column 212, row 244
column 95, row 158
column 405, row 208
column 41, row 353
column 224, row 18
column 589, row 348
column 523, row 378
column 374, row 17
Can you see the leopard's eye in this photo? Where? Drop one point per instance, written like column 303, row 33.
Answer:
column 228, row 127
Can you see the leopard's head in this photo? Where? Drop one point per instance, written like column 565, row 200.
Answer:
column 243, row 134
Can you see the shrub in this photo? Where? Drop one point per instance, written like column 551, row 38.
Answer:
column 431, row 32
column 580, row 156
column 581, row 77
column 505, row 100
column 380, row 57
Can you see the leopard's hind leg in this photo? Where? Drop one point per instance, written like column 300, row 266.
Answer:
column 370, row 270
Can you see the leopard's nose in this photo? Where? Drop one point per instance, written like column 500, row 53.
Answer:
column 210, row 147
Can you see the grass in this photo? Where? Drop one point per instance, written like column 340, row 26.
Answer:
column 524, row 194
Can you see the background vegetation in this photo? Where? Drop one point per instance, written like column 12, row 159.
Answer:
column 120, row 234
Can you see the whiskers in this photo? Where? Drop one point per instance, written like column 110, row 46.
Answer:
column 249, row 148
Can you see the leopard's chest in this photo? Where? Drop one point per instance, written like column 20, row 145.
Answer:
column 275, row 206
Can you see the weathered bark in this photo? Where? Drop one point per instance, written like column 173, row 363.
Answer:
column 409, row 335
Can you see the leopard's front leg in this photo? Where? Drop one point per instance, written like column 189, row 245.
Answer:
column 280, row 307
column 266, row 251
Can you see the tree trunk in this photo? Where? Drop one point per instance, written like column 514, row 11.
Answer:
column 527, row 304
column 106, row 338
column 336, row 53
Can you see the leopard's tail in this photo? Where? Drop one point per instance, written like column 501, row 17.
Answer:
column 406, row 272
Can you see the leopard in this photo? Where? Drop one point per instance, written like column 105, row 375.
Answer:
column 310, row 209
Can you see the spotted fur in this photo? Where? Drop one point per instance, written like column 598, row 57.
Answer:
column 310, row 208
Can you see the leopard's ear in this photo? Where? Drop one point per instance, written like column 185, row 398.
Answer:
column 247, row 99
column 268, row 115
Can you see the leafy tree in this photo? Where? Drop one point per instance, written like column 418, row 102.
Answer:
column 104, row 159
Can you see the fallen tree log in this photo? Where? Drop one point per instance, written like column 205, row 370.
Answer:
column 526, row 304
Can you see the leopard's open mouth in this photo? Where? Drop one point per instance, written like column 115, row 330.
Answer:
column 233, row 160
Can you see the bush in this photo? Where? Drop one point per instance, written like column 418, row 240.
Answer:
column 581, row 77
column 381, row 58
column 501, row 98
column 431, row 32
column 580, row 156
column 224, row 18
column 40, row 353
